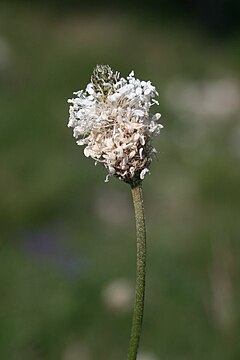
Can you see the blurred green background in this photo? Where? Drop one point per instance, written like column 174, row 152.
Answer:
column 67, row 257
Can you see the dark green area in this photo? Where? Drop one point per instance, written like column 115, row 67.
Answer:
column 60, row 243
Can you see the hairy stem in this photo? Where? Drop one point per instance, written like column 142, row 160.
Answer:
column 141, row 271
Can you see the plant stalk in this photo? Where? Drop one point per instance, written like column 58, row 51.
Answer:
column 141, row 272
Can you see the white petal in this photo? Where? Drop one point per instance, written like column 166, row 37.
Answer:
column 142, row 140
column 111, row 170
column 89, row 89
column 139, row 113
column 87, row 152
column 132, row 154
column 156, row 116
column 138, row 91
column 143, row 173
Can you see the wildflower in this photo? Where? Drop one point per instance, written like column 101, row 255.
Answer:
column 111, row 118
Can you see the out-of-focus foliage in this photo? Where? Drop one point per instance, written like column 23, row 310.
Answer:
column 217, row 17
column 67, row 259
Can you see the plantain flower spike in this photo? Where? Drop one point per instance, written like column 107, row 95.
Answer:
column 111, row 119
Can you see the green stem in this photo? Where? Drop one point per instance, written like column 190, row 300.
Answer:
column 141, row 271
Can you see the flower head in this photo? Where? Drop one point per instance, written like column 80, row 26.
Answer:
column 111, row 118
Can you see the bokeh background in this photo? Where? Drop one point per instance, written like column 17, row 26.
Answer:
column 67, row 256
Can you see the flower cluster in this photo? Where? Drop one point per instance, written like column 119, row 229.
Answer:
column 111, row 118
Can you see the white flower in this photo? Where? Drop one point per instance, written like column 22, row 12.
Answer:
column 111, row 117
